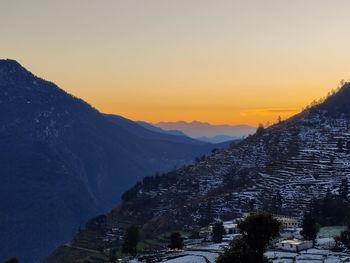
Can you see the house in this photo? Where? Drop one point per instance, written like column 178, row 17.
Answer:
column 287, row 221
column 230, row 237
column 230, row 227
column 294, row 245
column 205, row 233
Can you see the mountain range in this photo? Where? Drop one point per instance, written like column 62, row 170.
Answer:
column 281, row 169
column 208, row 132
column 63, row 162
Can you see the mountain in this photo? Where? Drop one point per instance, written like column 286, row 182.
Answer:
column 147, row 133
column 62, row 162
column 157, row 129
column 280, row 169
column 198, row 129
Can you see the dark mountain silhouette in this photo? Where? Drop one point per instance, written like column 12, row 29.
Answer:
column 281, row 169
column 63, row 162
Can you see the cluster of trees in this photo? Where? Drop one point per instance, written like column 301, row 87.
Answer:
column 130, row 241
column 257, row 231
column 333, row 209
column 132, row 238
column 12, row 260
column 150, row 182
column 331, row 95
column 310, row 227
column 343, row 146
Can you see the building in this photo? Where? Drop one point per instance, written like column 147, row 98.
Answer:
column 294, row 245
column 287, row 221
column 205, row 233
column 230, row 227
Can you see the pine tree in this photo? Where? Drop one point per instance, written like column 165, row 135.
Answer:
column 340, row 145
column 176, row 241
column 348, row 147
column 218, row 232
column 344, row 190
column 310, row 228
column 131, row 239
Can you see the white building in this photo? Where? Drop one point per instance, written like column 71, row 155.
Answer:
column 230, row 227
column 294, row 245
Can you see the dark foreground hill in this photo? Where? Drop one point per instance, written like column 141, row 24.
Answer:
column 62, row 162
column 281, row 169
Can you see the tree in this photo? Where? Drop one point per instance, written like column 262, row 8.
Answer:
column 257, row 231
column 218, row 232
column 261, row 129
column 344, row 238
column 345, row 235
column 239, row 252
column 176, row 241
column 348, row 147
column 12, row 260
column 279, row 119
column 131, row 239
column 344, row 190
column 113, row 255
column 340, row 145
column 277, row 203
column 310, row 228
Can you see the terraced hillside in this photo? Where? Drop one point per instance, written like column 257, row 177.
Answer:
column 280, row 169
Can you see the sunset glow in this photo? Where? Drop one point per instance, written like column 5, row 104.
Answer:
column 219, row 61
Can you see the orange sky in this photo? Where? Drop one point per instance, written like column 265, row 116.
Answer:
column 221, row 61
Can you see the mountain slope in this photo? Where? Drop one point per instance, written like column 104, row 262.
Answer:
column 280, row 169
column 63, row 162
column 295, row 161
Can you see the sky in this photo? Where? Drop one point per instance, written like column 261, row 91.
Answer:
column 217, row 61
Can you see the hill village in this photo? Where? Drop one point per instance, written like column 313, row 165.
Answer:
column 287, row 248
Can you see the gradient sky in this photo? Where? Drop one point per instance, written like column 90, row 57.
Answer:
column 159, row 60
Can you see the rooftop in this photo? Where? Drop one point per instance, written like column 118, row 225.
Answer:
column 293, row 241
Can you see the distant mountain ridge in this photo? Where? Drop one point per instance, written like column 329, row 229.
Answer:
column 139, row 130
column 157, row 129
column 198, row 129
column 63, row 162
